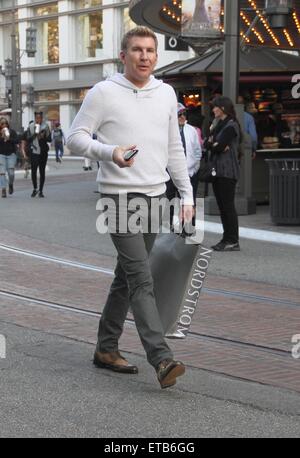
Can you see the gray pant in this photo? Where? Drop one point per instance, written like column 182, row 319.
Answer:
column 133, row 286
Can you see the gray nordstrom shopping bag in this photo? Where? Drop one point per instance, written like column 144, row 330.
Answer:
column 179, row 270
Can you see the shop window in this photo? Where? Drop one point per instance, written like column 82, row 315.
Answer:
column 192, row 100
column 45, row 10
column 80, row 4
column 50, row 113
column 128, row 24
column 7, row 17
column 47, row 42
column 5, row 40
column 46, row 96
column 79, row 94
column 5, row 3
column 90, row 28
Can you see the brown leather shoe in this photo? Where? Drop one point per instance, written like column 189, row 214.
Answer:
column 114, row 362
column 167, row 372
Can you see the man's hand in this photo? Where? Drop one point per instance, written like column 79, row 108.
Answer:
column 118, row 156
column 186, row 213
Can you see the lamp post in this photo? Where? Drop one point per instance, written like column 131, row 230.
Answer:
column 231, row 55
column 13, row 70
column 16, row 95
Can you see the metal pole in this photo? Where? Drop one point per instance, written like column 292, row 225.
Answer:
column 231, row 55
column 16, row 106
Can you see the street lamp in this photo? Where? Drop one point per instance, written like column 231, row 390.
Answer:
column 16, row 96
column 278, row 12
column 31, row 41
column 15, row 73
column 7, row 73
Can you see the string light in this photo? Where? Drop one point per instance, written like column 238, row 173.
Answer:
column 243, row 35
column 295, row 17
column 288, row 37
column 248, row 23
column 265, row 22
column 171, row 13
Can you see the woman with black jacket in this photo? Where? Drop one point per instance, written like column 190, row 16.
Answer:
column 8, row 157
column 224, row 145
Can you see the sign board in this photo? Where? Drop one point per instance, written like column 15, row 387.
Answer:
column 175, row 44
column 201, row 18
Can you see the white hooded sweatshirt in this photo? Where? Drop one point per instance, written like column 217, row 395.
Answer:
column 121, row 114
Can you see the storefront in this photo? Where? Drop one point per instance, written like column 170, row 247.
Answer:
column 265, row 72
column 266, row 83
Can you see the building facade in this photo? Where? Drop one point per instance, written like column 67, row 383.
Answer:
column 78, row 44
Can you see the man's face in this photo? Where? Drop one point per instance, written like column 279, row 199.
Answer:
column 182, row 118
column 139, row 60
column 38, row 119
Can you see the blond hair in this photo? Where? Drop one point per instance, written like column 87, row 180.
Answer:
column 139, row 31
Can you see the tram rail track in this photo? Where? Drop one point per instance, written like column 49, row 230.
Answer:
column 130, row 322
column 223, row 292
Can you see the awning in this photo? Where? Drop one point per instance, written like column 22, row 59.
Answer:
column 253, row 60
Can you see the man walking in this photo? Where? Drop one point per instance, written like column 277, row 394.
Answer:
column 58, row 140
column 193, row 153
column 38, row 135
column 134, row 109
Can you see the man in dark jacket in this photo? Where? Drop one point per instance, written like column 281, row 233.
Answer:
column 38, row 135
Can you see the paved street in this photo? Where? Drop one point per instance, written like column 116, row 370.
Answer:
column 54, row 277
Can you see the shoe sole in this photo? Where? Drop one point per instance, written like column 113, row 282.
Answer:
column 119, row 369
column 226, row 249
column 170, row 378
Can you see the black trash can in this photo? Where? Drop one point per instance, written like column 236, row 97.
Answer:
column 284, row 190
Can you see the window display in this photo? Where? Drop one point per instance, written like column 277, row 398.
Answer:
column 277, row 116
column 87, row 3
column 90, row 28
column 128, row 24
column 50, row 113
column 47, row 42
column 47, row 35
column 45, row 10
column 79, row 94
column 46, row 96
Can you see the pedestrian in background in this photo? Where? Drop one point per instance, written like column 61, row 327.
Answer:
column 143, row 115
column 38, row 135
column 58, row 141
column 8, row 157
column 195, row 119
column 249, row 126
column 224, row 144
column 193, row 153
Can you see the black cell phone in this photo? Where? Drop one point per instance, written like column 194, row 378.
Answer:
column 130, row 154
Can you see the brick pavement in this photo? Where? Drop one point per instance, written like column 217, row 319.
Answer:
column 238, row 319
